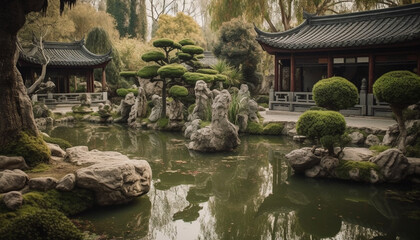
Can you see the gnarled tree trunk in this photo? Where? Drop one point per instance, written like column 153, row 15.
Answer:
column 398, row 112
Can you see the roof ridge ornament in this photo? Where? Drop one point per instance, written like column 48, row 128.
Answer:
column 307, row 15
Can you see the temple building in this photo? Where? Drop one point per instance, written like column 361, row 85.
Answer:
column 358, row 46
column 71, row 69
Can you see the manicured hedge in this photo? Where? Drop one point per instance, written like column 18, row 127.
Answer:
column 177, row 91
column 184, row 56
column 335, row 93
column 191, row 77
column 128, row 74
column 192, row 49
column 207, row 71
column 153, row 56
column 316, row 124
column 187, row 41
column 163, row 42
column 172, row 71
column 148, row 71
column 122, row 92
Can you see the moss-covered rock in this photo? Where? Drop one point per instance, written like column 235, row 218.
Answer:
column 163, row 42
column 186, row 42
column 32, row 148
column 335, row 93
column 273, row 129
column 191, row 108
column 191, row 78
column 172, row 71
column 153, row 56
column 379, row 148
column 357, row 170
column 162, row 123
column 60, row 142
column 40, row 110
column 192, row 49
column 148, row 71
column 254, row 128
column 207, row 71
column 122, row 92
column 177, row 91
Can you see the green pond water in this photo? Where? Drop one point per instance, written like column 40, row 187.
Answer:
column 246, row 194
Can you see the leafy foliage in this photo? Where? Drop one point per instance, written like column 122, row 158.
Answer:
column 148, row 71
column 273, row 129
column 177, row 91
column 122, row 92
column 207, row 71
column 171, row 71
column 191, row 77
column 335, row 93
column 317, row 124
column 153, row 56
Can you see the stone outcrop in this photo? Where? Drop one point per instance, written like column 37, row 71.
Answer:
column 203, row 101
column 81, row 155
column 302, row 159
column 11, row 180
column 192, row 128
column 42, row 183
column 46, row 87
column 247, row 109
column 104, row 111
column 12, row 163
column 13, row 200
column 221, row 135
column 56, row 151
column 150, row 88
column 355, row 154
column 372, row 140
column 66, row 183
column 116, row 182
column 175, row 110
column 139, row 109
column 125, row 108
column 393, row 165
column 357, row 137
column 157, row 108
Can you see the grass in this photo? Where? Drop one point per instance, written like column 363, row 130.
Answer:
column 42, row 167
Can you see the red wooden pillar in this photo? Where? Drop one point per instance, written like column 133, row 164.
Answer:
column 371, row 72
column 292, row 73
column 330, row 67
column 276, row 73
column 103, row 80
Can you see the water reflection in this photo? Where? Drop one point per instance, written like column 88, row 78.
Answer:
column 246, row 194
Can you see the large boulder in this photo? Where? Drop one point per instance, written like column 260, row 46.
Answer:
column 302, row 159
column 247, row 108
column 221, row 135
column 81, row 155
column 125, row 108
column 11, row 180
column 357, row 137
column 156, row 112
column 372, row 140
column 356, row 154
column 12, row 163
column 116, row 182
column 393, row 165
column 42, row 183
column 66, row 183
column 13, row 200
column 175, row 110
column 56, row 151
column 192, row 127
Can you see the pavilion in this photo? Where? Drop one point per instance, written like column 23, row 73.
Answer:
column 357, row 46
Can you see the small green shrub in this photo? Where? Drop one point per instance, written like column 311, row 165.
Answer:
column 233, row 108
column 163, row 122
column 184, row 56
column 414, row 151
column 192, row 49
column 316, row 108
column 122, row 92
column 273, row 129
column 187, row 41
column 262, row 99
column 32, row 148
column 191, row 77
column 207, row 71
column 148, row 71
column 177, row 91
column 60, row 142
column 335, row 93
column 128, row 74
column 316, row 124
column 379, row 148
column 153, row 56
column 41, row 225
column 163, row 42
column 172, row 71
column 254, row 128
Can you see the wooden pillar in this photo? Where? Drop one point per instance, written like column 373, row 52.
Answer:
column 292, row 73
column 88, row 80
column 103, row 80
column 371, row 73
column 330, row 67
column 276, row 73
column 418, row 64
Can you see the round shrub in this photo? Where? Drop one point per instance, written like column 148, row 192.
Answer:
column 148, row 71
column 128, row 74
column 187, row 41
column 191, row 77
column 398, row 88
column 192, row 49
column 172, row 71
column 207, row 71
column 177, row 46
column 122, row 92
column 177, row 91
column 184, row 56
column 335, row 93
column 163, row 42
column 41, row 225
column 316, row 124
column 153, row 56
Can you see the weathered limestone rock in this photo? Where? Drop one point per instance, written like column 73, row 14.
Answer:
column 12, row 163
column 289, row 129
column 104, row 111
column 46, row 87
column 141, row 103
column 248, row 108
column 357, row 138
column 116, row 182
column 40, row 110
column 302, row 159
column 328, row 163
column 192, row 127
column 11, row 180
column 150, row 88
column 67, row 183
column 97, row 86
column 315, row 171
column 81, row 155
column 356, row 154
column 221, row 135
column 175, row 110
column 125, row 108
column 157, row 108
column 392, row 164
column 203, row 99
column 372, row 140
column 13, row 200
column 56, row 151
column 42, row 183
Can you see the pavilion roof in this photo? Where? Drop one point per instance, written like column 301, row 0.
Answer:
column 62, row 54
column 361, row 29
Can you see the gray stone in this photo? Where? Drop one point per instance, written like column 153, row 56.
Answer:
column 393, row 165
column 104, row 111
column 356, row 154
column 391, row 135
column 142, row 103
column 299, row 138
column 302, row 159
column 13, row 200
column 81, row 155
column 157, row 108
column 203, row 101
column 192, row 127
column 116, row 182
column 315, row 171
column 372, row 140
column 56, row 150
column 125, row 108
column 175, row 110
column 221, row 135
column 328, row 163
column 66, row 183
column 42, row 183
column 12, row 163
column 357, row 138
column 46, row 87
column 150, row 88
column 247, row 108
column 11, row 180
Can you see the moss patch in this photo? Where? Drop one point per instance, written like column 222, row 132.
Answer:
column 162, row 123
column 32, row 148
column 42, row 167
column 191, row 108
column 60, row 142
column 273, row 129
column 204, row 124
column 342, row 171
column 254, row 128
column 379, row 148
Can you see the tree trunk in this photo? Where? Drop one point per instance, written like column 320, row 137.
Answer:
column 400, row 143
column 163, row 99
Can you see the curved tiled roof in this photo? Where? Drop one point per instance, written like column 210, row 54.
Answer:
column 73, row 54
column 377, row 27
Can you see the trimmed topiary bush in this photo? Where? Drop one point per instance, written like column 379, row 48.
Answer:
column 163, row 42
column 177, row 91
column 172, row 71
column 191, row 77
column 153, row 56
column 316, row 124
column 148, row 71
column 60, row 142
column 335, row 93
column 128, row 74
column 185, row 56
column 273, row 129
column 122, row 92
column 187, row 41
column 207, row 71
column 192, row 49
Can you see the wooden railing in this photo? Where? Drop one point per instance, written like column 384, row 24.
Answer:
column 68, row 98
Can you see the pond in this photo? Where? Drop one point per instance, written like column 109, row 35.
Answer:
column 250, row 193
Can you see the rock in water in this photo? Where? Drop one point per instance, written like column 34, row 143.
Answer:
column 302, row 159
column 392, row 164
column 221, row 135
column 116, row 182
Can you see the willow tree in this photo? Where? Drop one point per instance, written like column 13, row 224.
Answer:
column 15, row 106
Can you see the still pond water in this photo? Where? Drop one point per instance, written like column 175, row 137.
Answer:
column 246, row 194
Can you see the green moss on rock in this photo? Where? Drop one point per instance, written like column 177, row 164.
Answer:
column 60, row 142
column 162, row 123
column 345, row 167
column 379, row 148
column 254, row 128
column 273, row 129
column 172, row 71
column 122, row 92
column 177, row 91
column 148, row 71
column 153, row 56
column 204, row 124
column 32, row 148
column 191, row 108
column 128, row 74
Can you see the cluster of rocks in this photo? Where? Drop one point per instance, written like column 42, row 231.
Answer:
column 248, row 108
column 113, row 177
column 357, row 164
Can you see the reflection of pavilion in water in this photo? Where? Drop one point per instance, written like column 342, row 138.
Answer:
column 321, row 207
